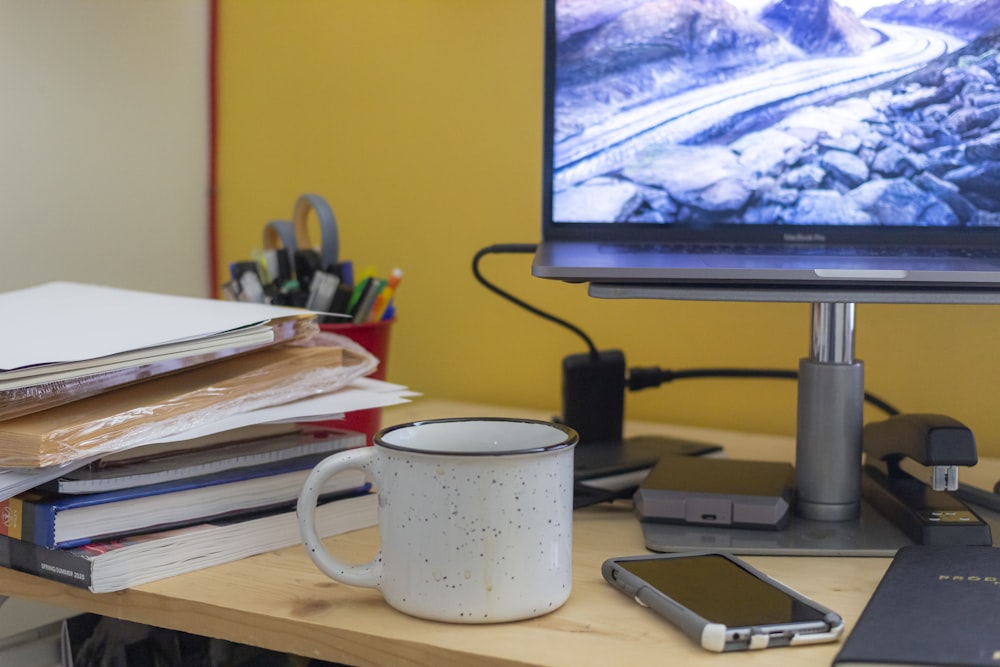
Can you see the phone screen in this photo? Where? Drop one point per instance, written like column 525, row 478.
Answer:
column 720, row 591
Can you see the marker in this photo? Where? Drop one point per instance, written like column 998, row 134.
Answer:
column 346, row 269
column 357, row 293
column 321, row 290
column 364, row 305
column 384, row 297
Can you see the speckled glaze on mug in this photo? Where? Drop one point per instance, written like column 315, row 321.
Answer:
column 475, row 518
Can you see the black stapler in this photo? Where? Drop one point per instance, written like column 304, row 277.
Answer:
column 927, row 514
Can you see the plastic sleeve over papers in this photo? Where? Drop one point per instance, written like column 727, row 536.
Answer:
column 166, row 406
column 27, row 400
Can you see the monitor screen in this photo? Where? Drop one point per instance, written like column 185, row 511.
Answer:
column 840, row 114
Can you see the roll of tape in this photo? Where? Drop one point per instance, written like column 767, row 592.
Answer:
column 279, row 234
column 329, row 246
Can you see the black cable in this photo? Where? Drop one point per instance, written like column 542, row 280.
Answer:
column 639, row 378
column 642, row 378
column 524, row 249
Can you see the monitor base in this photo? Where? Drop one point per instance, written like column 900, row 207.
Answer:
column 871, row 534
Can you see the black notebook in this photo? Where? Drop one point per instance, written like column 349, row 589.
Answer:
column 934, row 606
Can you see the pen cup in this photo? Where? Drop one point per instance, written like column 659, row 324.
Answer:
column 374, row 337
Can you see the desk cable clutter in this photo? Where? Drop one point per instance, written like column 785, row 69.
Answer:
column 594, row 385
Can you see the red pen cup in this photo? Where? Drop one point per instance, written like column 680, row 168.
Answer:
column 374, row 337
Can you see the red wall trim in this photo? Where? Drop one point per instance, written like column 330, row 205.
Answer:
column 213, row 137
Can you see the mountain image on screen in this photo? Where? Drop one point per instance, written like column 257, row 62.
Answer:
column 798, row 112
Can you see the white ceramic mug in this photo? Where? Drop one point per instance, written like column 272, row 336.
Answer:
column 475, row 518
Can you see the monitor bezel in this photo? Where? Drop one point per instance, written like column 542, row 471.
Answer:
column 616, row 232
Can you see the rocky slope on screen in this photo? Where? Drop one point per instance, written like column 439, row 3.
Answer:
column 644, row 49
column 925, row 148
column 965, row 18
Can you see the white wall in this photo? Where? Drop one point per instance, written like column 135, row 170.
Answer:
column 104, row 143
column 103, row 153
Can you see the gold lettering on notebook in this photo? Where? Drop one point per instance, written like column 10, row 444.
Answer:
column 970, row 578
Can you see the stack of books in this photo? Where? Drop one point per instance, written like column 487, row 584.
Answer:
column 160, row 435
column 155, row 511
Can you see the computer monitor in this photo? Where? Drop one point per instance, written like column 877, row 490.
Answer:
column 802, row 130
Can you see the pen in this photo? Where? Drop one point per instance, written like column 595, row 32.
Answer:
column 364, row 305
column 384, row 297
column 346, row 269
column 359, row 290
column 342, row 299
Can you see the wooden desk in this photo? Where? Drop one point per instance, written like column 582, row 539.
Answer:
column 281, row 601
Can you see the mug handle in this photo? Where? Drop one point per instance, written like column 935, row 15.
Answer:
column 368, row 574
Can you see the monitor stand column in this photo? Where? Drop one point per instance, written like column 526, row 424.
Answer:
column 830, row 413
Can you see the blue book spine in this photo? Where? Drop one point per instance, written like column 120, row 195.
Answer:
column 31, row 516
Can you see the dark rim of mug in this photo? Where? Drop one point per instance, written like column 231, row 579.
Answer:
column 571, row 437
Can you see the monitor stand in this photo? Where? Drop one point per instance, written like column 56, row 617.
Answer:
column 828, row 455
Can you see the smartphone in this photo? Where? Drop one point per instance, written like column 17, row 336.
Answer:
column 722, row 602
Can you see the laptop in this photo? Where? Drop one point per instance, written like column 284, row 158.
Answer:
column 731, row 145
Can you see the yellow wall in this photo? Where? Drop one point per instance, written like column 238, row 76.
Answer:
column 420, row 122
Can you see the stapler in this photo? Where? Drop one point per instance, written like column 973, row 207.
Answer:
column 926, row 513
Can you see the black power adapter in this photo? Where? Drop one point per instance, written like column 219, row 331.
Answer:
column 593, row 393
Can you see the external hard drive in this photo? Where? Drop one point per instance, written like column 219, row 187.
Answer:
column 717, row 492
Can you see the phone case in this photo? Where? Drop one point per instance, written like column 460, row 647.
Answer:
column 715, row 636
